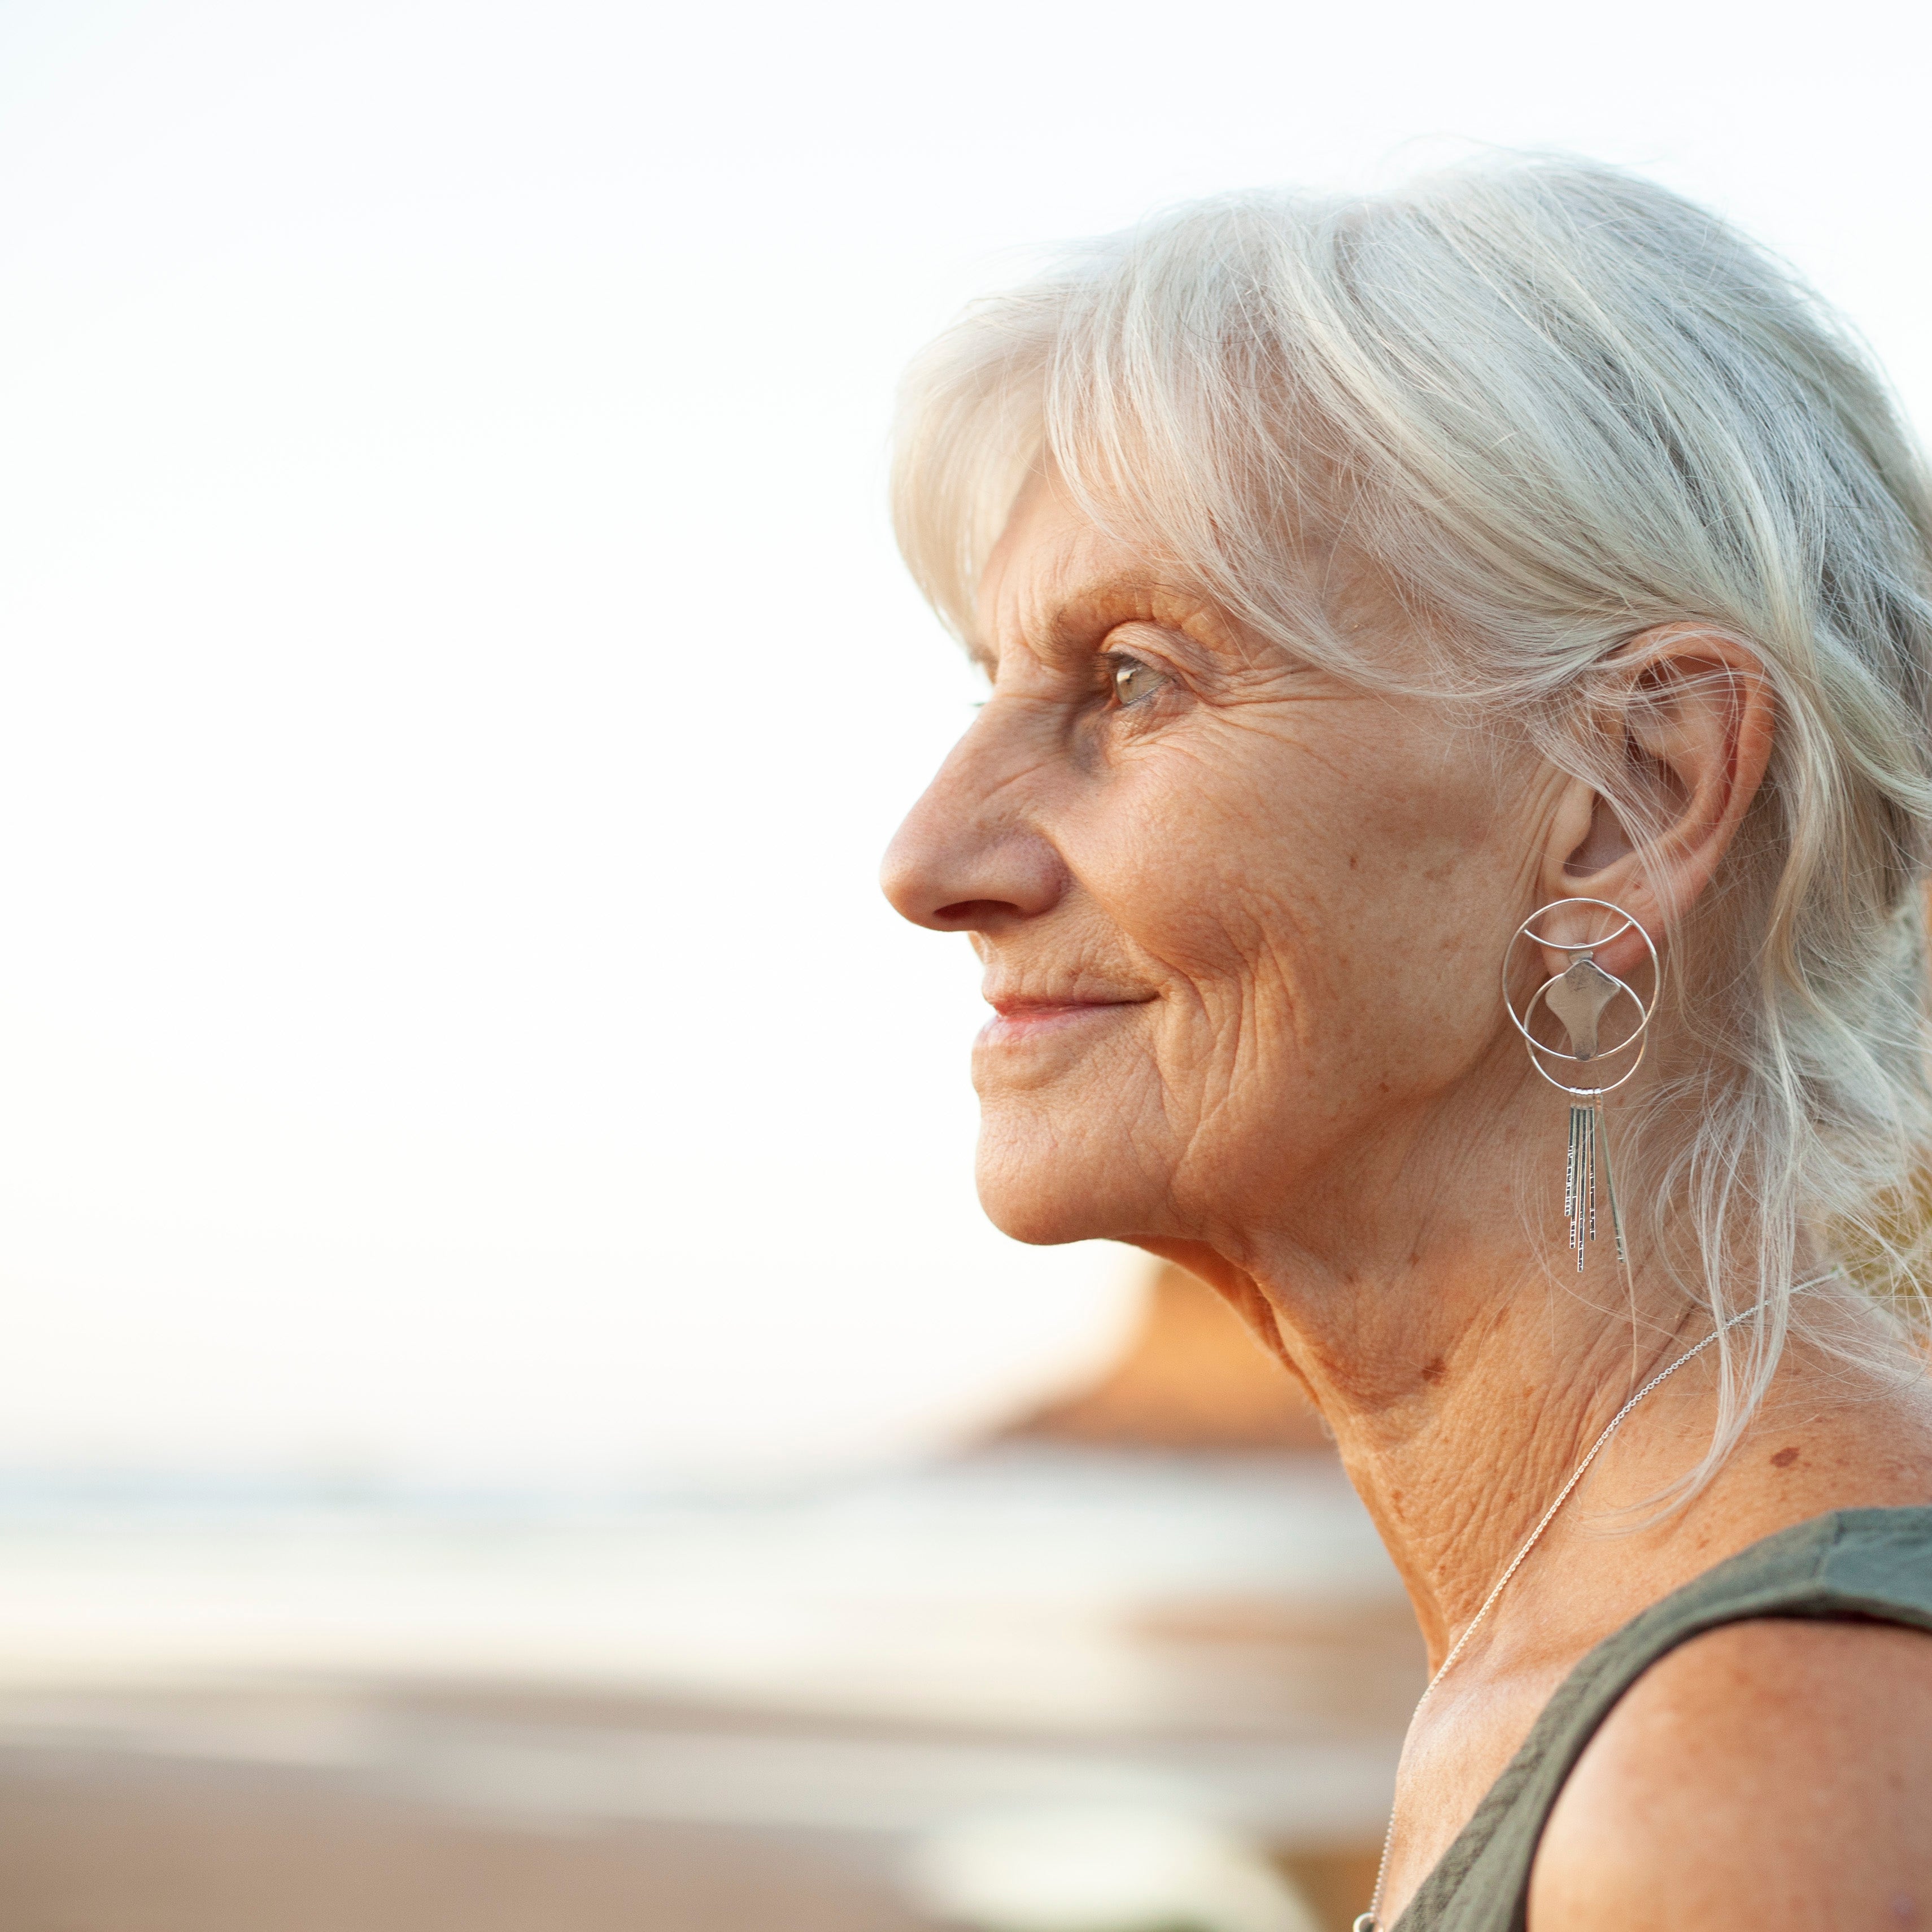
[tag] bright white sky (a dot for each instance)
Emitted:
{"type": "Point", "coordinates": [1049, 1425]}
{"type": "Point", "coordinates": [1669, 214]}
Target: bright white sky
{"type": "Point", "coordinates": [455, 684]}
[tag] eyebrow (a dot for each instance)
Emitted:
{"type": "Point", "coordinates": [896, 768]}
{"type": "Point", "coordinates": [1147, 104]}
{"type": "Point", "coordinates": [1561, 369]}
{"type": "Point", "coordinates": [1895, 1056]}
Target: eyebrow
{"type": "Point", "coordinates": [1134, 588]}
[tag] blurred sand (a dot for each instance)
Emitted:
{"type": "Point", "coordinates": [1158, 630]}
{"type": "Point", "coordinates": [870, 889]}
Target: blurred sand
{"type": "Point", "coordinates": [321, 1808]}
{"type": "Point", "coordinates": [131, 1847]}
{"type": "Point", "coordinates": [730, 1713]}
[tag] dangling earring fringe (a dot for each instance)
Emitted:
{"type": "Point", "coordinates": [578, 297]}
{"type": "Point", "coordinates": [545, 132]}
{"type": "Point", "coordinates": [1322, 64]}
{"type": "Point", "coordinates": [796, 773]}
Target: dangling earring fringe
{"type": "Point", "coordinates": [1589, 1148]}
{"type": "Point", "coordinates": [1576, 999]}
{"type": "Point", "coordinates": [1610, 1188]}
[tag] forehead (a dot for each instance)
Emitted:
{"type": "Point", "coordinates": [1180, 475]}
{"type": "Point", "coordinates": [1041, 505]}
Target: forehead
{"type": "Point", "coordinates": [1053, 565]}
{"type": "Point", "coordinates": [1055, 577]}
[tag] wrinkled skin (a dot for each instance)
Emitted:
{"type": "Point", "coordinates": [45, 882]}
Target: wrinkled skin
{"type": "Point", "coordinates": [1233, 911]}
{"type": "Point", "coordinates": [1242, 922]}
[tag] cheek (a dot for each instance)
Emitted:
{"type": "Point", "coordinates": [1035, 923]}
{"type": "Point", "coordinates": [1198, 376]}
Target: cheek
{"type": "Point", "coordinates": [1203, 929]}
{"type": "Point", "coordinates": [1212, 907]}
{"type": "Point", "coordinates": [1422, 903]}
{"type": "Point", "coordinates": [1321, 914]}
{"type": "Point", "coordinates": [1228, 889]}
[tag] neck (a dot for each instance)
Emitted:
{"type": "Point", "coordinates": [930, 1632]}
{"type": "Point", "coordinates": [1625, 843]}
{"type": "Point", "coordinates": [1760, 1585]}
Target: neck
{"type": "Point", "coordinates": [1463, 1378]}
{"type": "Point", "coordinates": [1461, 1408]}
{"type": "Point", "coordinates": [1462, 1404]}
{"type": "Point", "coordinates": [1465, 1374]}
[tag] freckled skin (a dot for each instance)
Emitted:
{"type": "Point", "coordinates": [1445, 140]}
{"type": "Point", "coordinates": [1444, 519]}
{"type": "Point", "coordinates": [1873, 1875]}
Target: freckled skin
{"type": "Point", "coordinates": [1242, 923]}
{"type": "Point", "coordinates": [1705, 1747]}
{"type": "Point", "coordinates": [1138, 831]}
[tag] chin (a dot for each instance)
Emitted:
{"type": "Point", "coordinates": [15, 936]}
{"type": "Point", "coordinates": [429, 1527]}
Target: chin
{"type": "Point", "coordinates": [1046, 1187]}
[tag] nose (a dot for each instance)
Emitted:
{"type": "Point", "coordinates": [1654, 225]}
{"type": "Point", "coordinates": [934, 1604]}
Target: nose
{"type": "Point", "coordinates": [971, 856]}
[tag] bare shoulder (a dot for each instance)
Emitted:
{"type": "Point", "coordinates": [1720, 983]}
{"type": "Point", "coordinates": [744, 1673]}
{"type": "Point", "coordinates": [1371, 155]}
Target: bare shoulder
{"type": "Point", "coordinates": [1775, 1774]}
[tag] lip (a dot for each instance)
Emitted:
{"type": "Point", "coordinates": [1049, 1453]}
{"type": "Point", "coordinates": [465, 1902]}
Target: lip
{"type": "Point", "coordinates": [1016, 1021]}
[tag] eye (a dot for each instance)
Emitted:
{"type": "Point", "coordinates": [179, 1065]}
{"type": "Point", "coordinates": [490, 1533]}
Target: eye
{"type": "Point", "coordinates": [1134, 680]}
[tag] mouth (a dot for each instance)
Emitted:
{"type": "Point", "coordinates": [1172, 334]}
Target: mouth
{"type": "Point", "coordinates": [1017, 1021]}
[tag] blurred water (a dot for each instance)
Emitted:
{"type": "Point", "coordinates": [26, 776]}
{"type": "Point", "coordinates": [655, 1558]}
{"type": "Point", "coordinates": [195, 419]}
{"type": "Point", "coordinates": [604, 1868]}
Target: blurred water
{"type": "Point", "coordinates": [1046, 1587]}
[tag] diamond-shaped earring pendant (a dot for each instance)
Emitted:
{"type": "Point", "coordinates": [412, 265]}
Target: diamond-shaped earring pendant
{"type": "Point", "coordinates": [1577, 997]}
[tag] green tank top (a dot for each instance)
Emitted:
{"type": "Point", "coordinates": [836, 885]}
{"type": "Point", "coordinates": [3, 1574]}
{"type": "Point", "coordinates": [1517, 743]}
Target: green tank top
{"type": "Point", "coordinates": [1869, 1563]}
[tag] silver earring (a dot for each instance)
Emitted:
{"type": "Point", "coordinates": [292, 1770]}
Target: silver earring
{"type": "Point", "coordinates": [1577, 998]}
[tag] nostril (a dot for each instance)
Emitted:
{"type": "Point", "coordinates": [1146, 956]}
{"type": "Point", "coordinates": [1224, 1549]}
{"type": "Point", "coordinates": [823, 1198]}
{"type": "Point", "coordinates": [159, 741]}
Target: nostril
{"type": "Point", "coordinates": [973, 915]}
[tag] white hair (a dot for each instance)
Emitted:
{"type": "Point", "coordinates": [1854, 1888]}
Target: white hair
{"type": "Point", "coordinates": [1555, 406]}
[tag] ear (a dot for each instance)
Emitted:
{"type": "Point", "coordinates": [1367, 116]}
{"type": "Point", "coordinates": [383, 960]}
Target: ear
{"type": "Point", "coordinates": [1687, 719]}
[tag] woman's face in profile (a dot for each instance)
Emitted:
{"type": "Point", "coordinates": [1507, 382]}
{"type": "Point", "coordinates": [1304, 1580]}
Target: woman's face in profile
{"type": "Point", "coordinates": [1241, 922]}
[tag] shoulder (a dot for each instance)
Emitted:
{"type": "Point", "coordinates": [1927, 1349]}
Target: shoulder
{"type": "Point", "coordinates": [1776, 1774]}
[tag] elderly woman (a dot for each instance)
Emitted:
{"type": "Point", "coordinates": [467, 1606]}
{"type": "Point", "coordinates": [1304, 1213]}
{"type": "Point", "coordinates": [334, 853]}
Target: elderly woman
{"type": "Point", "coordinates": [1445, 842]}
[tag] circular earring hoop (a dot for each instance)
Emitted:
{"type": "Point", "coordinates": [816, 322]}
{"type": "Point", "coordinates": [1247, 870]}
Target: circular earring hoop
{"type": "Point", "coordinates": [1640, 1038]}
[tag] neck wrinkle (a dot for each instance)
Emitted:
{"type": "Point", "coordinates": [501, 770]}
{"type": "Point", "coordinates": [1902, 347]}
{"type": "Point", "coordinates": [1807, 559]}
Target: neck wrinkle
{"type": "Point", "coordinates": [1460, 1410]}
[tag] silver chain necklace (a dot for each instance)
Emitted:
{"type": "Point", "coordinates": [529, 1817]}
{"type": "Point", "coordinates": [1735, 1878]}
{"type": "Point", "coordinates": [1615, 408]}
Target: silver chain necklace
{"type": "Point", "coordinates": [1370, 1921]}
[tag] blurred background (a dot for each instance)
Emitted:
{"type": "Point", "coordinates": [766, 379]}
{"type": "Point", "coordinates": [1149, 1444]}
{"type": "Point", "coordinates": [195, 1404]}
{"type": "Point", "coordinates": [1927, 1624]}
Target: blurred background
{"type": "Point", "coordinates": [509, 1414]}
